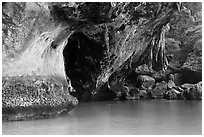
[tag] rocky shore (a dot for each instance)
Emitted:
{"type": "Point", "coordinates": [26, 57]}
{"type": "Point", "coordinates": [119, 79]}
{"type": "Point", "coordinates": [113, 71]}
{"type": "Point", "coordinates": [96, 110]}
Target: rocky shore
{"type": "Point", "coordinates": [56, 54]}
{"type": "Point", "coordinates": [157, 86]}
{"type": "Point", "coordinates": [26, 98]}
{"type": "Point", "coordinates": [164, 90]}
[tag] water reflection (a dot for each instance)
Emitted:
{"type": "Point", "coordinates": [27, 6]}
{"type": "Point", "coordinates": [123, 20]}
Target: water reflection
{"type": "Point", "coordinates": [116, 117]}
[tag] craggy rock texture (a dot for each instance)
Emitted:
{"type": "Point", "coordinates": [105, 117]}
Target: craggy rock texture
{"type": "Point", "coordinates": [159, 90]}
{"type": "Point", "coordinates": [51, 32]}
{"type": "Point", "coordinates": [29, 53]}
{"type": "Point", "coordinates": [91, 48]}
{"type": "Point", "coordinates": [146, 81]}
{"type": "Point", "coordinates": [26, 98]}
{"type": "Point", "coordinates": [185, 33]}
{"type": "Point", "coordinates": [172, 94]}
{"type": "Point", "coordinates": [164, 90]}
{"type": "Point", "coordinates": [194, 59]}
{"type": "Point", "coordinates": [192, 91]}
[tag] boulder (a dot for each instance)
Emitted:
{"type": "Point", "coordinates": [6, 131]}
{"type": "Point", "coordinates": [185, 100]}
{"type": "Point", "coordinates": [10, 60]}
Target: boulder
{"type": "Point", "coordinates": [160, 76]}
{"type": "Point", "coordinates": [198, 87]}
{"type": "Point", "coordinates": [144, 94]}
{"type": "Point", "coordinates": [192, 91]}
{"type": "Point", "coordinates": [191, 94]}
{"type": "Point", "coordinates": [159, 90]}
{"type": "Point", "coordinates": [146, 82]}
{"type": "Point", "coordinates": [187, 86]}
{"type": "Point", "coordinates": [118, 88]}
{"type": "Point", "coordinates": [172, 94]}
{"type": "Point", "coordinates": [171, 84]}
{"type": "Point", "coordinates": [133, 94]}
{"type": "Point", "coordinates": [25, 98]}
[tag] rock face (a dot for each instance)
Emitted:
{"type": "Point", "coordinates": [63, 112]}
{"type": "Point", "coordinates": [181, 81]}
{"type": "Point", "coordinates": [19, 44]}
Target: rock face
{"type": "Point", "coordinates": [86, 46]}
{"type": "Point", "coordinates": [192, 67]}
{"type": "Point", "coordinates": [25, 98]}
{"type": "Point", "coordinates": [68, 41]}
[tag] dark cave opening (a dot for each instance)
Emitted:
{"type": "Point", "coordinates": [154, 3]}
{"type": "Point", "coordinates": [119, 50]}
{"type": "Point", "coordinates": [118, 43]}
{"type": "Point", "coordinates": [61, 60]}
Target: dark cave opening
{"type": "Point", "coordinates": [82, 57]}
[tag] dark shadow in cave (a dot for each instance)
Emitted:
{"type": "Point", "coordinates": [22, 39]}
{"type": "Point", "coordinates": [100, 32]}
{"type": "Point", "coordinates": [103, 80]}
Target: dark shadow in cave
{"type": "Point", "coordinates": [82, 57]}
{"type": "Point", "coordinates": [189, 76]}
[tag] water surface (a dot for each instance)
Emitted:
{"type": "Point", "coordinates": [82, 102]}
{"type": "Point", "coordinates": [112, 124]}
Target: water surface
{"type": "Point", "coordinates": [118, 117]}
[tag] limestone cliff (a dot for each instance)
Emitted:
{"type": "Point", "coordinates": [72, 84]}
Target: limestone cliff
{"type": "Point", "coordinates": [83, 46]}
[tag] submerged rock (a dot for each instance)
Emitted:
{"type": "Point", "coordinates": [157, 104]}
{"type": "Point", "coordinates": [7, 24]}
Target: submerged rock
{"type": "Point", "coordinates": [25, 98]}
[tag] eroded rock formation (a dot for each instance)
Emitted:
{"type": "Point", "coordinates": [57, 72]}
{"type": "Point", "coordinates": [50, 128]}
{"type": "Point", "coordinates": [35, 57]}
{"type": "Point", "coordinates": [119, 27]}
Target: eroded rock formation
{"type": "Point", "coordinates": [87, 48]}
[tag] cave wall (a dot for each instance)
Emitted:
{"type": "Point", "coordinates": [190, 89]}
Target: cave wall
{"type": "Point", "coordinates": [39, 58]}
{"type": "Point", "coordinates": [37, 50]}
{"type": "Point", "coordinates": [123, 44]}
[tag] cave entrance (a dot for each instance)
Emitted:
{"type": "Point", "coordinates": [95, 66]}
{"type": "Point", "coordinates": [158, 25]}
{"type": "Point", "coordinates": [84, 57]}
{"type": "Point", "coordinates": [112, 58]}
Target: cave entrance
{"type": "Point", "coordinates": [82, 57]}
